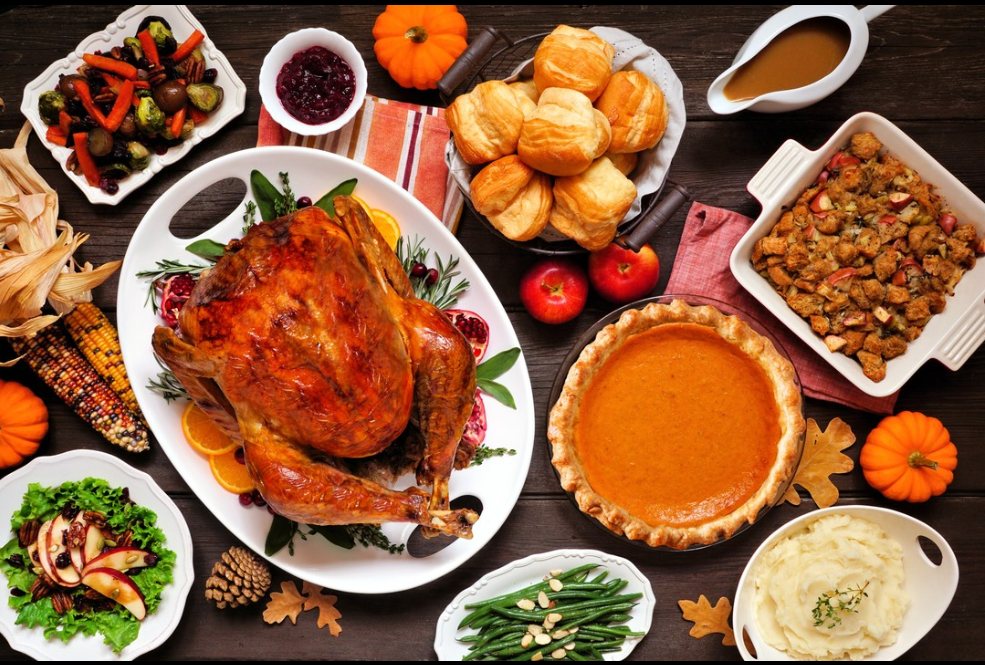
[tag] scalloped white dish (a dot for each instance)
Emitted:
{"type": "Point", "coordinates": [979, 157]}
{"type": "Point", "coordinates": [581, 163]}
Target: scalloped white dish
{"type": "Point", "coordinates": [183, 23]}
{"type": "Point", "coordinates": [78, 465]}
{"type": "Point", "coordinates": [524, 572]}
{"type": "Point", "coordinates": [929, 587]}
{"type": "Point", "coordinates": [496, 483]}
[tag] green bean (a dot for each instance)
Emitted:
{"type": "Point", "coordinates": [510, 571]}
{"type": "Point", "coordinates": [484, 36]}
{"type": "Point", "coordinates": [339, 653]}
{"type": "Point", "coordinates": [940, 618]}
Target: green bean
{"type": "Point", "coordinates": [511, 598]}
{"type": "Point", "coordinates": [601, 577]}
{"type": "Point", "coordinates": [594, 652]}
{"type": "Point", "coordinates": [498, 632]}
{"type": "Point", "coordinates": [494, 648]}
{"type": "Point", "coordinates": [575, 656]}
{"type": "Point", "coordinates": [617, 586]}
{"type": "Point", "coordinates": [605, 630]}
{"type": "Point", "coordinates": [527, 654]}
{"type": "Point", "coordinates": [470, 638]}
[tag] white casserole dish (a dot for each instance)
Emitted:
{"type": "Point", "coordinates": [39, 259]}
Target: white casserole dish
{"type": "Point", "coordinates": [951, 336]}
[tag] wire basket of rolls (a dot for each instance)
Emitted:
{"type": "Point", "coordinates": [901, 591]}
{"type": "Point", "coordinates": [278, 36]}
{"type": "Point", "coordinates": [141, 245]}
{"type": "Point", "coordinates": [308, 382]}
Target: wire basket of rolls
{"type": "Point", "coordinates": [562, 141]}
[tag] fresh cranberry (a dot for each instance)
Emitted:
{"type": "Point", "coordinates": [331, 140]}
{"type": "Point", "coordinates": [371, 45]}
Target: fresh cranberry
{"type": "Point", "coordinates": [258, 499]}
{"type": "Point", "coordinates": [240, 455]}
{"type": "Point", "coordinates": [304, 202]}
{"type": "Point", "coordinates": [432, 277]}
{"type": "Point", "coordinates": [246, 499]}
{"type": "Point", "coordinates": [418, 270]}
{"type": "Point", "coordinates": [210, 75]}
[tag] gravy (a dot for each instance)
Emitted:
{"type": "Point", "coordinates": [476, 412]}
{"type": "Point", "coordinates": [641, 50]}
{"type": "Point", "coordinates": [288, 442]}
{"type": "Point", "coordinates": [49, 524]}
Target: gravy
{"type": "Point", "coordinates": [798, 56]}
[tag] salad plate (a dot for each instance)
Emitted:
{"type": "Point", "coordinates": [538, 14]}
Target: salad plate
{"type": "Point", "coordinates": [183, 23]}
{"type": "Point", "coordinates": [496, 484]}
{"type": "Point", "coordinates": [157, 627]}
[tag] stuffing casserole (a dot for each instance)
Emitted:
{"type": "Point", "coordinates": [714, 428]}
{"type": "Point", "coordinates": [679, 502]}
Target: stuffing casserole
{"type": "Point", "coordinates": [867, 254]}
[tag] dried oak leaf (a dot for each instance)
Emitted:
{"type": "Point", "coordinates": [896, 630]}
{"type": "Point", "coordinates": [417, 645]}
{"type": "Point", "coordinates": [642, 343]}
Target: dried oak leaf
{"type": "Point", "coordinates": [284, 604]}
{"type": "Point", "coordinates": [708, 619]}
{"type": "Point", "coordinates": [328, 615]}
{"type": "Point", "coordinates": [822, 457]}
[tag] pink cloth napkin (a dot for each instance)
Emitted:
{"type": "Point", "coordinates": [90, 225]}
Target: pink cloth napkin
{"type": "Point", "coordinates": [702, 268]}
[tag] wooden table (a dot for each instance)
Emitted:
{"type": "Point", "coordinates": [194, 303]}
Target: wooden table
{"type": "Point", "coordinates": [925, 70]}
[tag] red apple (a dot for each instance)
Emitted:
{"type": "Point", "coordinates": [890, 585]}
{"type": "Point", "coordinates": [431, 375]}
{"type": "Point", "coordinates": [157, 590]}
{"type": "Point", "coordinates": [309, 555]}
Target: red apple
{"type": "Point", "coordinates": [554, 290]}
{"type": "Point", "coordinates": [622, 275]}
{"type": "Point", "coordinates": [66, 575]}
{"type": "Point", "coordinates": [119, 558]}
{"type": "Point", "coordinates": [114, 584]}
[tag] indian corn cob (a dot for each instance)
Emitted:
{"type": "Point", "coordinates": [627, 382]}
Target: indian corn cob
{"type": "Point", "coordinates": [55, 359]}
{"type": "Point", "coordinates": [99, 342]}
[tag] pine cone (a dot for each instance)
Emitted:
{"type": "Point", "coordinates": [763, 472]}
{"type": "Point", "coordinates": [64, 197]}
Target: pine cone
{"type": "Point", "coordinates": [238, 579]}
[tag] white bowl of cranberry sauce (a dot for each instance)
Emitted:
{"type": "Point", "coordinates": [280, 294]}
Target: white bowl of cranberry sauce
{"type": "Point", "coordinates": [313, 81]}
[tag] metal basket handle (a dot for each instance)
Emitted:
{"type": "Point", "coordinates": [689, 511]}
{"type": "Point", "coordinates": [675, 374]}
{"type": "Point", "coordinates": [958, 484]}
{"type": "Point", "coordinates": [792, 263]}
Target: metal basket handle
{"type": "Point", "coordinates": [470, 59]}
{"type": "Point", "coordinates": [675, 196]}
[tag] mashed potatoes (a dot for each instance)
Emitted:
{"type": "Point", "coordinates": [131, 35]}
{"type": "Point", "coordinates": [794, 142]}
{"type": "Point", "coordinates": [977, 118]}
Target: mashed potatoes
{"type": "Point", "coordinates": [833, 553]}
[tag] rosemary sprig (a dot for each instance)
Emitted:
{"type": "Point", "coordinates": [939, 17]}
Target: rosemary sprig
{"type": "Point", "coordinates": [167, 385]}
{"type": "Point", "coordinates": [249, 216]}
{"type": "Point", "coordinates": [164, 269]}
{"type": "Point", "coordinates": [371, 535]}
{"type": "Point", "coordinates": [482, 453]}
{"type": "Point", "coordinates": [831, 605]}
{"type": "Point", "coordinates": [286, 203]}
{"type": "Point", "coordinates": [444, 293]}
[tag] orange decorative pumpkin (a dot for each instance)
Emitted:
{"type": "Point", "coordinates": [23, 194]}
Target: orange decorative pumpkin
{"type": "Point", "coordinates": [909, 457]}
{"type": "Point", "coordinates": [23, 423]}
{"type": "Point", "coordinates": [418, 43]}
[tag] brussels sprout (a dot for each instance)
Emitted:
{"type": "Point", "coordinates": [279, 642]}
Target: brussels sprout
{"type": "Point", "coordinates": [204, 96]}
{"type": "Point", "coordinates": [160, 32]}
{"type": "Point", "coordinates": [49, 105]}
{"type": "Point", "coordinates": [150, 119]}
{"type": "Point", "coordinates": [115, 171]}
{"type": "Point", "coordinates": [135, 45]}
{"type": "Point", "coordinates": [187, 129]}
{"type": "Point", "coordinates": [139, 155]}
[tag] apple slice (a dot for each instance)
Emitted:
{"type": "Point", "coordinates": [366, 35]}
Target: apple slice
{"type": "Point", "coordinates": [46, 564]}
{"type": "Point", "coordinates": [77, 552]}
{"type": "Point", "coordinates": [94, 544]}
{"type": "Point", "coordinates": [115, 585]}
{"type": "Point", "coordinates": [119, 558]}
{"type": "Point", "coordinates": [67, 575]}
{"type": "Point", "coordinates": [822, 202]}
{"type": "Point", "coordinates": [899, 200]}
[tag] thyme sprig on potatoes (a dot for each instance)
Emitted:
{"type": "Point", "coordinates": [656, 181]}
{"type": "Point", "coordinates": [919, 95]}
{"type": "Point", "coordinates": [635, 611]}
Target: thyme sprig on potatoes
{"type": "Point", "coordinates": [830, 606]}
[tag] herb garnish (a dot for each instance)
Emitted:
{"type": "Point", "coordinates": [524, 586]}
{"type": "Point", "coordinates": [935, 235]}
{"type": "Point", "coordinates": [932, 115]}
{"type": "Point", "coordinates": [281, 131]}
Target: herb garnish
{"type": "Point", "coordinates": [831, 604]}
{"type": "Point", "coordinates": [164, 269]}
{"type": "Point", "coordinates": [482, 453]}
{"type": "Point", "coordinates": [283, 531]}
{"type": "Point", "coordinates": [167, 385]}
{"type": "Point", "coordinates": [494, 368]}
{"type": "Point", "coordinates": [444, 292]}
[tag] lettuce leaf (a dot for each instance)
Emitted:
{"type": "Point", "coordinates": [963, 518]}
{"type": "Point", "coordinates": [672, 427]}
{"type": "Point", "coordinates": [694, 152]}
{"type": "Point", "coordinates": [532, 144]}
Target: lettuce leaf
{"type": "Point", "coordinates": [117, 625]}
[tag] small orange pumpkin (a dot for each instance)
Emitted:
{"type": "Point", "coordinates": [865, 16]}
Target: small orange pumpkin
{"type": "Point", "coordinates": [23, 423]}
{"type": "Point", "coordinates": [418, 43]}
{"type": "Point", "coordinates": [909, 457]}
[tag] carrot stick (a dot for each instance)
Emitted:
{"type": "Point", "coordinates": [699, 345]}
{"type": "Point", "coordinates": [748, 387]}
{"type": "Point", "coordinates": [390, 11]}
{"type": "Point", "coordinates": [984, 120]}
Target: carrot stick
{"type": "Point", "coordinates": [55, 135]}
{"type": "Point", "coordinates": [120, 107]}
{"type": "Point", "coordinates": [150, 47]}
{"type": "Point", "coordinates": [82, 89]}
{"type": "Point", "coordinates": [196, 115]}
{"type": "Point", "coordinates": [89, 168]}
{"type": "Point", "coordinates": [124, 69]}
{"type": "Point", "coordinates": [188, 46]}
{"type": "Point", "coordinates": [177, 122]}
{"type": "Point", "coordinates": [114, 83]}
{"type": "Point", "coordinates": [141, 85]}
{"type": "Point", "coordinates": [65, 123]}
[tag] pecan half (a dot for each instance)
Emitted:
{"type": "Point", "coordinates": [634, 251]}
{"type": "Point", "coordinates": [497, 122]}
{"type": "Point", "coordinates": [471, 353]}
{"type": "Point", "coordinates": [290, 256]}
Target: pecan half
{"type": "Point", "coordinates": [194, 69]}
{"type": "Point", "coordinates": [156, 75]}
{"type": "Point", "coordinates": [62, 601]}
{"type": "Point", "coordinates": [92, 594]}
{"type": "Point", "coordinates": [92, 517]}
{"type": "Point", "coordinates": [125, 540]}
{"type": "Point", "coordinates": [28, 533]}
{"type": "Point", "coordinates": [76, 535]}
{"type": "Point", "coordinates": [42, 587]}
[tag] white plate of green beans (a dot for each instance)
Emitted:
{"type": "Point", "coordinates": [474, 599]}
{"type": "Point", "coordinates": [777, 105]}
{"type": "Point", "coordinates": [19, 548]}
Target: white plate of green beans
{"type": "Point", "coordinates": [570, 605]}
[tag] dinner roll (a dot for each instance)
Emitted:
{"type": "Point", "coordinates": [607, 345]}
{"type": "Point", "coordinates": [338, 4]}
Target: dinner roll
{"type": "Point", "coordinates": [526, 87]}
{"type": "Point", "coordinates": [588, 207]}
{"type": "Point", "coordinates": [514, 197]}
{"type": "Point", "coordinates": [564, 134]}
{"type": "Point", "coordinates": [575, 59]}
{"type": "Point", "coordinates": [486, 122]}
{"type": "Point", "coordinates": [624, 161]}
{"type": "Point", "coordinates": [636, 109]}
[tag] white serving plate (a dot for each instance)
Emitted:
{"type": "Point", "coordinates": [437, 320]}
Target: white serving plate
{"type": "Point", "coordinates": [497, 482]}
{"type": "Point", "coordinates": [524, 572]}
{"type": "Point", "coordinates": [182, 25]}
{"type": "Point", "coordinates": [929, 588]}
{"type": "Point", "coordinates": [79, 465]}
{"type": "Point", "coordinates": [951, 336]}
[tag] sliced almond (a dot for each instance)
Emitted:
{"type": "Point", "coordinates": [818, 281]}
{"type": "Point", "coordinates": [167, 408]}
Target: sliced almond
{"type": "Point", "coordinates": [535, 630]}
{"type": "Point", "coordinates": [526, 640]}
{"type": "Point", "coordinates": [570, 646]}
{"type": "Point", "coordinates": [558, 654]}
{"type": "Point", "coordinates": [554, 617]}
{"type": "Point", "coordinates": [573, 630]}
{"type": "Point", "coordinates": [558, 634]}
{"type": "Point", "coordinates": [556, 572]}
{"type": "Point", "coordinates": [555, 585]}
{"type": "Point", "coordinates": [537, 656]}
{"type": "Point", "coordinates": [548, 625]}
{"type": "Point", "coordinates": [543, 601]}
{"type": "Point", "coordinates": [525, 604]}
{"type": "Point", "coordinates": [543, 639]}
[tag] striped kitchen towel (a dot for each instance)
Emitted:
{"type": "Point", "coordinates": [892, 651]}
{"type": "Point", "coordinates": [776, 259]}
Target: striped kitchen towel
{"type": "Point", "coordinates": [404, 142]}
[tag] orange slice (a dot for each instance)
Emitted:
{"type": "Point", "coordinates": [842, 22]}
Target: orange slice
{"type": "Point", "coordinates": [387, 226]}
{"type": "Point", "coordinates": [202, 433]}
{"type": "Point", "coordinates": [232, 475]}
{"type": "Point", "coordinates": [365, 205]}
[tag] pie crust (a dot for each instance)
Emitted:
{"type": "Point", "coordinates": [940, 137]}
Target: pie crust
{"type": "Point", "coordinates": [563, 420]}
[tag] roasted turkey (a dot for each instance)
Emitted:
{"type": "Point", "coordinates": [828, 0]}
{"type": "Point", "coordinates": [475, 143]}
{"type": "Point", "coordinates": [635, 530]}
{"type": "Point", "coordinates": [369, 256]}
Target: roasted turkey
{"type": "Point", "coordinates": [306, 343]}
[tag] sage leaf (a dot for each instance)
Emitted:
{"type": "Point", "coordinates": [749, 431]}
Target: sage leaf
{"type": "Point", "coordinates": [281, 532]}
{"type": "Point", "coordinates": [327, 202]}
{"type": "Point", "coordinates": [337, 535]}
{"type": "Point", "coordinates": [498, 365]}
{"type": "Point", "coordinates": [497, 391]}
{"type": "Point", "coordinates": [207, 247]}
{"type": "Point", "coordinates": [266, 195]}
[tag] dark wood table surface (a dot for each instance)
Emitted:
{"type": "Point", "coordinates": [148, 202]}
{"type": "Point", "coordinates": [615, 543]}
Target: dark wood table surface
{"type": "Point", "coordinates": [925, 70]}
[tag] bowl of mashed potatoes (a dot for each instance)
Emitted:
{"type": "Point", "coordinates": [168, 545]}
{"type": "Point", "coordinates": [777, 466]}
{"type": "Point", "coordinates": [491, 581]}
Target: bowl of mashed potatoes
{"type": "Point", "coordinates": [844, 583]}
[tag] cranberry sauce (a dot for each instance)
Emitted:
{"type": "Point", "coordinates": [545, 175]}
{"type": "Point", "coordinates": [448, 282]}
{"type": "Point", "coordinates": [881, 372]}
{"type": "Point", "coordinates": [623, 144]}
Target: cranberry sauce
{"type": "Point", "coordinates": [316, 86]}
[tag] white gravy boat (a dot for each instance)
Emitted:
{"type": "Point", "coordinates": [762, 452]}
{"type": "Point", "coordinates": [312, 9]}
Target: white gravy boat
{"type": "Point", "coordinates": [790, 100]}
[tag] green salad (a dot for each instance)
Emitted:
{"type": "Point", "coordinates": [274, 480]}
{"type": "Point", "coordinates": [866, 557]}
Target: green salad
{"type": "Point", "coordinates": [101, 567]}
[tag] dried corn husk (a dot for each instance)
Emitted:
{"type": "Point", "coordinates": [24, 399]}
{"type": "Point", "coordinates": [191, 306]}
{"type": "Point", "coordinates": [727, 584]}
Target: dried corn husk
{"type": "Point", "coordinates": [36, 264]}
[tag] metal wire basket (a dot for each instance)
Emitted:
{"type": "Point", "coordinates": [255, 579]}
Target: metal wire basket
{"type": "Point", "coordinates": [480, 63]}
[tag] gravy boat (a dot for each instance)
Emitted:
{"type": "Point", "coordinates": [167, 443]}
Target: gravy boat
{"type": "Point", "coordinates": [781, 101]}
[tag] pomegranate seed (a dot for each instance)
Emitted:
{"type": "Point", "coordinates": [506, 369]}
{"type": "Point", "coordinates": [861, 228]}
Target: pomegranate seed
{"type": "Point", "coordinates": [432, 277]}
{"type": "Point", "coordinates": [257, 498]}
{"type": "Point", "coordinates": [419, 270]}
{"type": "Point", "coordinates": [240, 456]}
{"type": "Point", "coordinates": [246, 499]}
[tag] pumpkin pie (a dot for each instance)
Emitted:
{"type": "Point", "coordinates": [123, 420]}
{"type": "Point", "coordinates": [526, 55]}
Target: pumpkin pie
{"type": "Point", "coordinates": [677, 425]}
